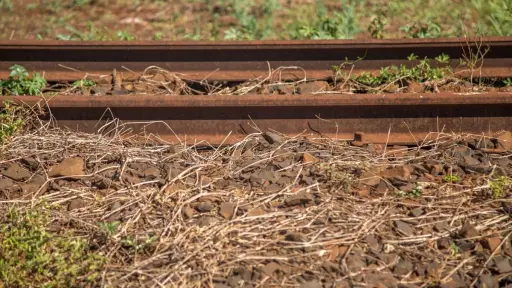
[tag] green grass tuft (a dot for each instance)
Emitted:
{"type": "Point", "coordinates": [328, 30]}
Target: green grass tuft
{"type": "Point", "coordinates": [30, 256]}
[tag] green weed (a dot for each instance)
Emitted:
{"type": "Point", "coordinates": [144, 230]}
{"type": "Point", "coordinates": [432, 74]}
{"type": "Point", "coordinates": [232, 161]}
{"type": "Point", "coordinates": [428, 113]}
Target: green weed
{"type": "Point", "coordinates": [109, 228]}
{"type": "Point", "coordinates": [138, 245]}
{"type": "Point", "coordinates": [338, 25]}
{"type": "Point", "coordinates": [428, 29]}
{"type": "Point", "coordinates": [422, 72]}
{"type": "Point", "coordinates": [30, 256]}
{"type": "Point", "coordinates": [416, 192]}
{"type": "Point", "coordinates": [454, 250]}
{"type": "Point", "coordinates": [498, 185]}
{"type": "Point", "coordinates": [83, 83]}
{"type": "Point", "coordinates": [158, 36]}
{"type": "Point", "coordinates": [19, 82]}
{"type": "Point", "coordinates": [376, 27]}
{"type": "Point", "coordinates": [495, 15]}
{"type": "Point", "coordinates": [93, 34]}
{"type": "Point", "coordinates": [507, 82]}
{"type": "Point", "coordinates": [125, 36]}
{"type": "Point", "coordinates": [451, 178]}
{"type": "Point", "coordinates": [6, 4]}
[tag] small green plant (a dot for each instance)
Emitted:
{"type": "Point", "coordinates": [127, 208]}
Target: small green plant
{"type": "Point", "coordinates": [109, 228]}
{"type": "Point", "coordinates": [416, 192]}
{"type": "Point", "coordinates": [10, 122]}
{"type": "Point", "coordinates": [7, 4]}
{"type": "Point", "coordinates": [158, 36]}
{"type": "Point", "coordinates": [30, 256]}
{"type": "Point", "coordinates": [421, 72]}
{"type": "Point", "coordinates": [451, 178]}
{"type": "Point", "coordinates": [454, 250]}
{"type": "Point", "coordinates": [507, 82]}
{"type": "Point", "coordinates": [498, 185]}
{"type": "Point", "coordinates": [428, 29]}
{"type": "Point", "coordinates": [138, 245]}
{"type": "Point", "coordinates": [125, 36]}
{"type": "Point", "coordinates": [376, 27]}
{"type": "Point", "coordinates": [337, 25]}
{"type": "Point", "coordinates": [19, 82]}
{"type": "Point", "coordinates": [80, 3]}
{"type": "Point", "coordinates": [83, 83]}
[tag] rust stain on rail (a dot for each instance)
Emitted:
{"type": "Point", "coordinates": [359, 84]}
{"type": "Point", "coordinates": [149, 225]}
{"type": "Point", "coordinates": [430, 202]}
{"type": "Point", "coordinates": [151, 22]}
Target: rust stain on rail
{"type": "Point", "coordinates": [409, 117]}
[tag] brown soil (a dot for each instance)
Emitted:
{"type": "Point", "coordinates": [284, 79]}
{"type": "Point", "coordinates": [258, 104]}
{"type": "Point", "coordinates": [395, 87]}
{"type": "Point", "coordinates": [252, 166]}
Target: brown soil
{"type": "Point", "coordinates": [273, 211]}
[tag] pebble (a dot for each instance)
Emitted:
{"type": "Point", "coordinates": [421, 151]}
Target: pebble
{"type": "Point", "coordinates": [403, 267]}
{"type": "Point", "coordinates": [68, 167]}
{"type": "Point", "coordinates": [227, 210]}
{"type": "Point", "coordinates": [404, 228]}
{"type": "Point", "coordinates": [204, 207]}
{"type": "Point", "coordinates": [16, 172]}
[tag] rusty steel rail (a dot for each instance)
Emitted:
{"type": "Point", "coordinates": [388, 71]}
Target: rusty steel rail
{"type": "Point", "coordinates": [408, 117]}
{"type": "Point", "coordinates": [239, 61]}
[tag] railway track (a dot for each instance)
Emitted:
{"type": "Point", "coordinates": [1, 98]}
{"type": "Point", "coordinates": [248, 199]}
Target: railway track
{"type": "Point", "coordinates": [401, 118]}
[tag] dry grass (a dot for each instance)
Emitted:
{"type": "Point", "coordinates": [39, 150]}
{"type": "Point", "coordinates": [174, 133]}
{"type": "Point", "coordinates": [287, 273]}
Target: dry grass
{"type": "Point", "coordinates": [157, 244]}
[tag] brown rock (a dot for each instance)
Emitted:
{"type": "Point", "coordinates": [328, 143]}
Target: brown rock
{"type": "Point", "coordinates": [116, 216]}
{"type": "Point", "coordinates": [273, 138]}
{"type": "Point", "coordinates": [416, 212]}
{"type": "Point", "coordinates": [311, 87]}
{"type": "Point", "coordinates": [370, 179]}
{"type": "Point", "coordinates": [187, 212]}
{"type": "Point", "coordinates": [403, 267]}
{"type": "Point", "coordinates": [373, 242]}
{"type": "Point", "coordinates": [206, 221]}
{"type": "Point", "coordinates": [441, 226]}
{"type": "Point", "coordinates": [336, 251]}
{"type": "Point", "coordinates": [295, 237]}
{"type": "Point", "coordinates": [405, 228]}
{"type": "Point", "coordinates": [76, 204]}
{"type": "Point", "coordinates": [355, 263]}
{"type": "Point", "coordinates": [382, 187]}
{"type": "Point", "coordinates": [300, 198]}
{"type": "Point", "coordinates": [486, 281]}
{"type": "Point", "coordinates": [444, 243]}
{"type": "Point", "coordinates": [399, 172]}
{"type": "Point", "coordinates": [31, 188]}
{"type": "Point", "coordinates": [308, 158]}
{"type": "Point", "coordinates": [67, 168]}
{"type": "Point", "coordinates": [6, 184]}
{"type": "Point", "coordinates": [454, 282]}
{"type": "Point", "coordinates": [504, 140]}
{"type": "Point", "coordinates": [271, 268]}
{"type": "Point", "coordinates": [380, 279]}
{"type": "Point", "coordinates": [408, 188]}
{"type": "Point", "coordinates": [434, 269]}
{"type": "Point", "coordinates": [130, 178]}
{"type": "Point", "coordinates": [468, 160]}
{"type": "Point", "coordinates": [468, 231]}
{"type": "Point", "coordinates": [16, 172]}
{"type": "Point", "coordinates": [491, 243]}
{"type": "Point", "coordinates": [363, 192]}
{"type": "Point", "coordinates": [227, 210]}
{"type": "Point", "coordinates": [311, 284]}
{"type": "Point", "coordinates": [502, 264]}
{"type": "Point", "coordinates": [204, 207]}
{"type": "Point", "coordinates": [31, 163]}
{"type": "Point", "coordinates": [151, 172]}
{"type": "Point", "coordinates": [256, 212]}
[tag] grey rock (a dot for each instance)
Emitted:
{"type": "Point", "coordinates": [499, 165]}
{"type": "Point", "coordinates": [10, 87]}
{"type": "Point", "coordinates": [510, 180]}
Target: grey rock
{"type": "Point", "coordinates": [403, 267]}
{"type": "Point", "coordinates": [404, 228]}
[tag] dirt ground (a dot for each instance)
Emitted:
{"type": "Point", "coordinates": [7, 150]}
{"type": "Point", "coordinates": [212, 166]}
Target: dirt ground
{"type": "Point", "coordinates": [270, 211]}
{"type": "Point", "coordinates": [249, 19]}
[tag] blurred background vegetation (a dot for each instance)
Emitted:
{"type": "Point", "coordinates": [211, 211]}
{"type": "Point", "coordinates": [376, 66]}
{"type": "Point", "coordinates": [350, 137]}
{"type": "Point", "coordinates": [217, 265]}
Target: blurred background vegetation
{"type": "Point", "coordinates": [251, 19]}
